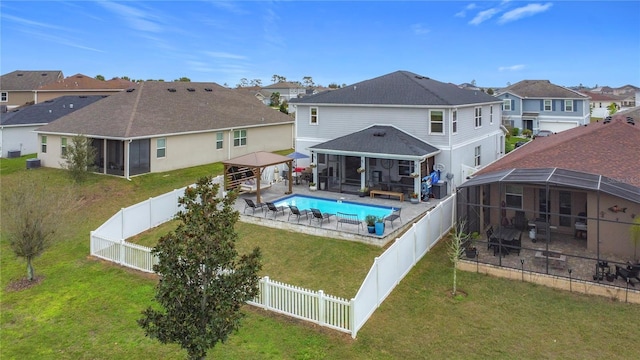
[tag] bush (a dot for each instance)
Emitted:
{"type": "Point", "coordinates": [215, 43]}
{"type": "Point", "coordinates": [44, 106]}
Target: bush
{"type": "Point", "coordinates": [527, 133]}
{"type": "Point", "coordinates": [515, 131]}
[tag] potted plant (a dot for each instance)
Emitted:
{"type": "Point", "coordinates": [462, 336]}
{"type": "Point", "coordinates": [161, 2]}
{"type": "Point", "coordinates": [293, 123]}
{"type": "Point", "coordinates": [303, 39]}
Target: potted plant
{"type": "Point", "coordinates": [370, 220]}
{"type": "Point", "coordinates": [312, 186]}
{"type": "Point", "coordinates": [379, 226]}
{"type": "Point", "coordinates": [470, 246]}
{"type": "Point", "coordinates": [414, 198]}
{"type": "Point", "coordinates": [363, 192]}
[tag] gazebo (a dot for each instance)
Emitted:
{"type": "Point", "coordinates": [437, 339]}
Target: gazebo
{"type": "Point", "coordinates": [251, 166]}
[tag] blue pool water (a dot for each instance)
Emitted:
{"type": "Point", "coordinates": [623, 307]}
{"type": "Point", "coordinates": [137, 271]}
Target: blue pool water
{"type": "Point", "coordinates": [334, 206]}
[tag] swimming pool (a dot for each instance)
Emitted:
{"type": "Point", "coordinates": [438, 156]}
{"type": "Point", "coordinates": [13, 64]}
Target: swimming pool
{"type": "Point", "coordinates": [334, 206]}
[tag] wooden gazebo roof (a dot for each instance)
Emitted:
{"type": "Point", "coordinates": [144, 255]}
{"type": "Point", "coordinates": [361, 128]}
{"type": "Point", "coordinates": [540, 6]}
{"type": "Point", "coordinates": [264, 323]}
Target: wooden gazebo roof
{"type": "Point", "coordinates": [257, 161]}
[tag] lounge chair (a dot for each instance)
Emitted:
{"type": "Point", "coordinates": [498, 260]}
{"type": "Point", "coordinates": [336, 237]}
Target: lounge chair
{"type": "Point", "coordinates": [274, 209]}
{"type": "Point", "coordinates": [252, 205]}
{"type": "Point", "coordinates": [352, 219]}
{"type": "Point", "coordinates": [319, 216]}
{"type": "Point", "coordinates": [395, 215]}
{"type": "Point", "coordinates": [298, 213]}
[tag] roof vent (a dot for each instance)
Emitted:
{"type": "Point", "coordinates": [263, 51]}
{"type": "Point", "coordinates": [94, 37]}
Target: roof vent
{"type": "Point", "coordinates": [20, 74]}
{"type": "Point", "coordinates": [379, 133]}
{"type": "Point", "coordinates": [83, 96]}
{"type": "Point", "coordinates": [48, 101]}
{"type": "Point", "coordinates": [630, 120]}
{"type": "Point", "coordinates": [44, 74]}
{"type": "Point", "coordinates": [130, 89]}
{"type": "Point", "coordinates": [607, 119]}
{"type": "Point", "coordinates": [191, 89]}
{"type": "Point", "coordinates": [208, 89]}
{"type": "Point", "coordinates": [171, 90]}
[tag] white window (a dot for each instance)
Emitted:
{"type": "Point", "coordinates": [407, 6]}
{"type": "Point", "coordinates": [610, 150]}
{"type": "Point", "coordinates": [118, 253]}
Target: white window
{"type": "Point", "coordinates": [568, 105]}
{"type": "Point", "coordinates": [547, 105]}
{"type": "Point", "coordinates": [405, 167]}
{"type": "Point", "coordinates": [239, 138]}
{"type": "Point", "coordinates": [43, 144]}
{"type": "Point", "coordinates": [478, 117]}
{"type": "Point", "coordinates": [63, 146]}
{"type": "Point", "coordinates": [491, 115]}
{"type": "Point", "coordinates": [161, 147]}
{"type": "Point", "coordinates": [454, 121]}
{"type": "Point", "coordinates": [513, 196]}
{"type": "Point", "coordinates": [314, 116]}
{"type": "Point", "coordinates": [478, 151]}
{"type": "Point", "coordinates": [436, 122]}
{"type": "Point", "coordinates": [4, 96]}
{"type": "Point", "coordinates": [219, 140]}
{"type": "Point", "coordinates": [506, 105]}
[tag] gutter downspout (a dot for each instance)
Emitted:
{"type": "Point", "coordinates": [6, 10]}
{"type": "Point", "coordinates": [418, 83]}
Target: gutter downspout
{"type": "Point", "coordinates": [126, 160]}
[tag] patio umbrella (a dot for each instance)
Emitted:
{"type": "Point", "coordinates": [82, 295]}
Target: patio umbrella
{"type": "Point", "coordinates": [296, 155]}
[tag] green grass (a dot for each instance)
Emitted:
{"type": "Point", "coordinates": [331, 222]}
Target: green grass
{"type": "Point", "coordinates": [510, 142]}
{"type": "Point", "coordinates": [87, 309]}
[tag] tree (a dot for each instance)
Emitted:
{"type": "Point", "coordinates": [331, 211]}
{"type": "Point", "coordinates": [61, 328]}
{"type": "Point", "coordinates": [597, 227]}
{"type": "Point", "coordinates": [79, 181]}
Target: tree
{"type": "Point", "coordinates": [278, 78]}
{"type": "Point", "coordinates": [36, 209]}
{"type": "Point", "coordinates": [100, 77]}
{"type": "Point", "coordinates": [243, 83]}
{"type": "Point", "coordinates": [307, 81]}
{"type": "Point", "coordinates": [456, 248]}
{"type": "Point", "coordinates": [283, 107]}
{"type": "Point", "coordinates": [612, 108]}
{"type": "Point", "coordinates": [256, 82]}
{"type": "Point", "coordinates": [275, 99]}
{"type": "Point", "coordinates": [183, 79]}
{"type": "Point", "coordinates": [490, 91]}
{"type": "Point", "coordinates": [202, 282]}
{"type": "Point", "coordinates": [333, 86]}
{"type": "Point", "coordinates": [79, 157]}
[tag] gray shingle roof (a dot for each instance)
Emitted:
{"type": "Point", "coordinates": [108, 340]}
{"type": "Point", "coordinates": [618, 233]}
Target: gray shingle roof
{"type": "Point", "coordinates": [48, 111]}
{"type": "Point", "coordinates": [541, 89]}
{"type": "Point", "coordinates": [21, 80]}
{"type": "Point", "coordinates": [399, 88]}
{"type": "Point", "coordinates": [379, 139]}
{"type": "Point", "coordinates": [160, 108]}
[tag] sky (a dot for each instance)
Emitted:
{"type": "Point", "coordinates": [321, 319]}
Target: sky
{"type": "Point", "coordinates": [489, 43]}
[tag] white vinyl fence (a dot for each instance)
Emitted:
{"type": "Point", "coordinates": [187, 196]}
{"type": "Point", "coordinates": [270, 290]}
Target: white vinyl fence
{"type": "Point", "coordinates": [108, 243]}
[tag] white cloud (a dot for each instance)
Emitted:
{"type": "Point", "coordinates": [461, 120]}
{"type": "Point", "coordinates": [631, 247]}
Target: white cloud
{"type": "Point", "coordinates": [463, 12]}
{"type": "Point", "coordinates": [136, 18]}
{"type": "Point", "coordinates": [511, 68]}
{"type": "Point", "coordinates": [483, 16]}
{"type": "Point", "coordinates": [418, 29]}
{"type": "Point", "coordinates": [524, 11]}
{"type": "Point", "coordinates": [224, 55]}
{"type": "Point", "coordinates": [31, 23]}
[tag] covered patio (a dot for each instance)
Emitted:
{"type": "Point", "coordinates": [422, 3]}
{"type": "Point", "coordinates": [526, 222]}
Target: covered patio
{"type": "Point", "coordinates": [247, 173]}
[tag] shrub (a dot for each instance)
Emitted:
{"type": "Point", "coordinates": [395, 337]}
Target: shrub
{"type": "Point", "coordinates": [515, 131]}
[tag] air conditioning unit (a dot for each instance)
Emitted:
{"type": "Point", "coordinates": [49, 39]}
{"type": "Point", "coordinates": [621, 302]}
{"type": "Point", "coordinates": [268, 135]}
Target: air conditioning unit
{"type": "Point", "coordinates": [13, 154]}
{"type": "Point", "coordinates": [33, 163]}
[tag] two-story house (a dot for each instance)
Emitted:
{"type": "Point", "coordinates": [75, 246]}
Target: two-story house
{"type": "Point", "coordinates": [395, 130]}
{"type": "Point", "coordinates": [540, 105]}
{"type": "Point", "coordinates": [17, 88]}
{"type": "Point", "coordinates": [162, 126]}
{"type": "Point", "coordinates": [287, 90]}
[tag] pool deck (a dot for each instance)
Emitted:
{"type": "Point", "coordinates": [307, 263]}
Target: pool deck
{"type": "Point", "coordinates": [410, 212]}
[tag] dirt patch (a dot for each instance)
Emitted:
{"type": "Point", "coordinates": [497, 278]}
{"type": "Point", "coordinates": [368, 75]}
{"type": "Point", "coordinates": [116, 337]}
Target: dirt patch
{"type": "Point", "coordinates": [460, 294]}
{"type": "Point", "coordinates": [23, 284]}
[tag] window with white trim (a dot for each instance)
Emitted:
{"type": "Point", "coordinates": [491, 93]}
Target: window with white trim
{"type": "Point", "coordinates": [548, 105]}
{"type": "Point", "coordinates": [161, 147]}
{"type": "Point", "coordinates": [568, 105]}
{"type": "Point", "coordinates": [476, 157]}
{"type": "Point", "coordinates": [4, 96]}
{"type": "Point", "coordinates": [454, 121]}
{"type": "Point", "coordinates": [436, 121]}
{"type": "Point", "coordinates": [43, 144]}
{"type": "Point", "coordinates": [63, 146]}
{"type": "Point", "coordinates": [506, 105]}
{"type": "Point", "coordinates": [478, 116]}
{"type": "Point", "coordinates": [491, 115]}
{"type": "Point", "coordinates": [239, 138]}
{"type": "Point", "coordinates": [513, 196]}
{"type": "Point", "coordinates": [405, 167]}
{"type": "Point", "coordinates": [313, 120]}
{"type": "Point", "coordinates": [219, 140]}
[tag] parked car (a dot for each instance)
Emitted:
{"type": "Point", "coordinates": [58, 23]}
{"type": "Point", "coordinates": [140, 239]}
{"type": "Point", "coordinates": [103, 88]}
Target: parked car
{"type": "Point", "coordinates": [543, 133]}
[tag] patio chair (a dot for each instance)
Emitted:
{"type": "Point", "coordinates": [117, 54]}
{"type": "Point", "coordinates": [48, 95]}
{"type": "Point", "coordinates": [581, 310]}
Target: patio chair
{"type": "Point", "coordinates": [344, 218]}
{"type": "Point", "coordinates": [274, 209]}
{"type": "Point", "coordinates": [515, 245]}
{"type": "Point", "coordinates": [395, 215]}
{"type": "Point", "coordinates": [628, 272]}
{"type": "Point", "coordinates": [294, 211]}
{"type": "Point", "coordinates": [492, 241]}
{"type": "Point", "coordinates": [541, 231]}
{"type": "Point", "coordinates": [319, 216]}
{"type": "Point", "coordinates": [252, 205]}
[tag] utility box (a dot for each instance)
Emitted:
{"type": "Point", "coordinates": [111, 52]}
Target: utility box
{"type": "Point", "coordinates": [13, 154]}
{"type": "Point", "coordinates": [33, 163]}
{"type": "Point", "coordinates": [439, 189]}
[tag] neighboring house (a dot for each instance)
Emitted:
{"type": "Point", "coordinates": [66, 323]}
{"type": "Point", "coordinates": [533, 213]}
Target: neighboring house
{"type": "Point", "coordinates": [625, 90]}
{"type": "Point", "coordinates": [600, 104]}
{"type": "Point", "coordinates": [580, 182]}
{"type": "Point", "coordinates": [397, 128]}
{"type": "Point", "coordinates": [79, 84]}
{"type": "Point", "coordinates": [17, 126]}
{"type": "Point", "coordinates": [162, 126]}
{"type": "Point", "coordinates": [288, 90]}
{"type": "Point", "coordinates": [17, 87]}
{"type": "Point", "coordinates": [540, 105]}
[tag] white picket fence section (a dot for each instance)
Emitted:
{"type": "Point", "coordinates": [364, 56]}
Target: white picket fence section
{"type": "Point", "coordinates": [108, 242]}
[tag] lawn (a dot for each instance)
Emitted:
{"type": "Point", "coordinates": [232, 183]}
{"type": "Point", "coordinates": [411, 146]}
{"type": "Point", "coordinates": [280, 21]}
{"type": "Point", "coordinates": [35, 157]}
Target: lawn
{"type": "Point", "coordinates": [87, 309]}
